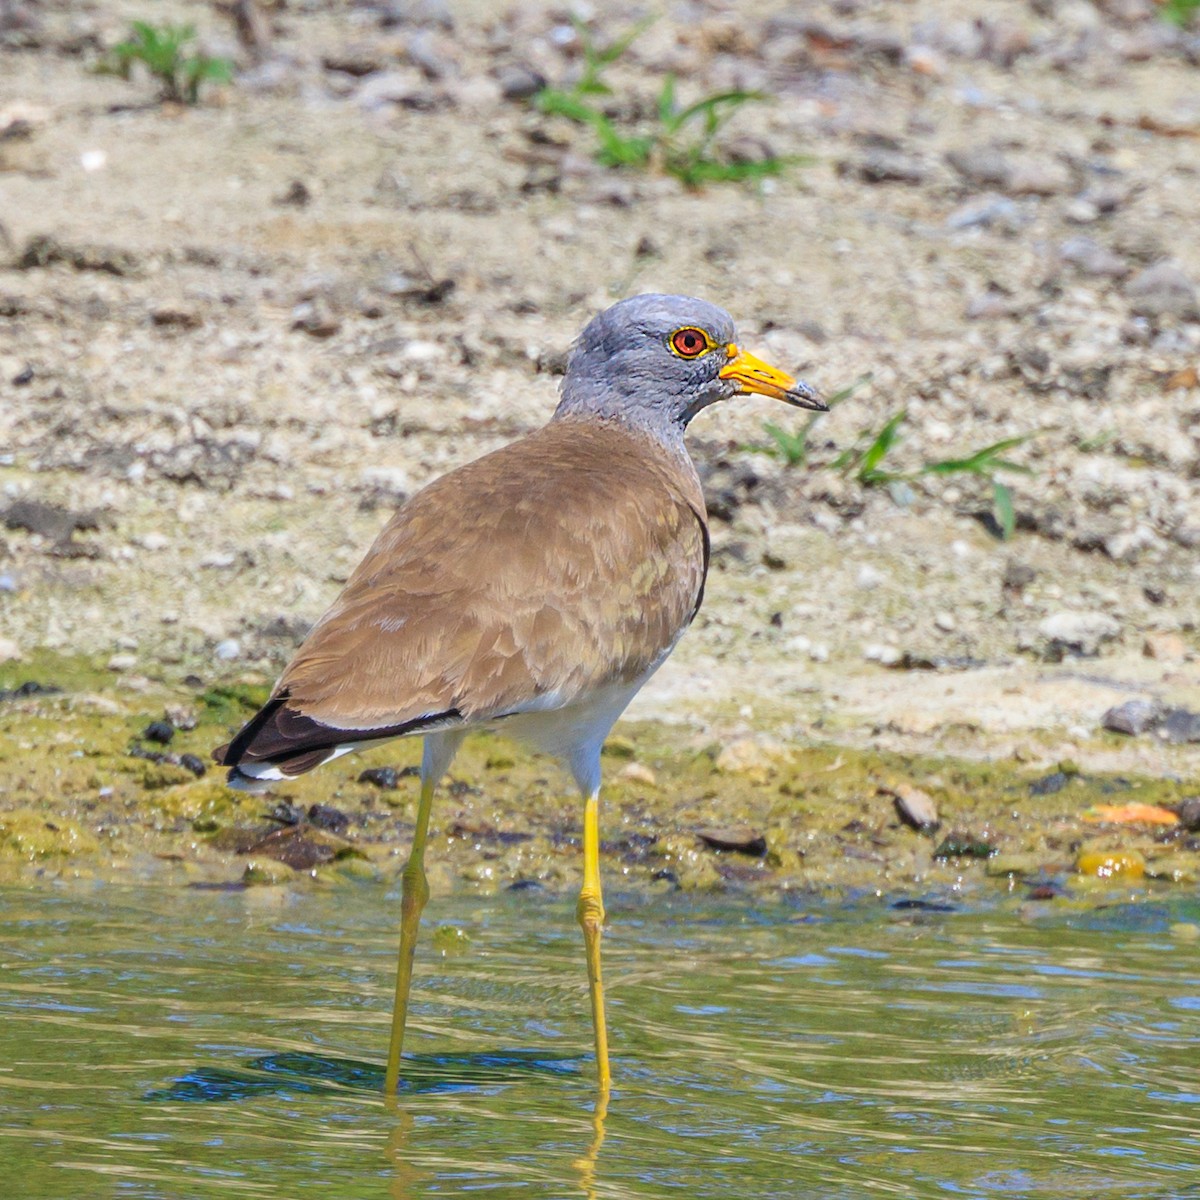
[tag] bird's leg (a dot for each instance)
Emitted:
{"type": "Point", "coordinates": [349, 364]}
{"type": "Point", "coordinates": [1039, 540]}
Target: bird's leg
{"type": "Point", "coordinates": [414, 894]}
{"type": "Point", "coordinates": [590, 912]}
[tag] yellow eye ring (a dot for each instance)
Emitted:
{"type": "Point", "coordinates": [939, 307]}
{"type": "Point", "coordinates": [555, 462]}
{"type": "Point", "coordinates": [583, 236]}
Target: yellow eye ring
{"type": "Point", "coordinates": [690, 342]}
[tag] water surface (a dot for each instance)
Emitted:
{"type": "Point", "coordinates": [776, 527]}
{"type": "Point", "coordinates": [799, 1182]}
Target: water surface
{"type": "Point", "coordinates": [173, 1043]}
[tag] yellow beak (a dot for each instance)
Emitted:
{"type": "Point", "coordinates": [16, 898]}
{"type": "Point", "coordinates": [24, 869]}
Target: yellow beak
{"type": "Point", "coordinates": [755, 376]}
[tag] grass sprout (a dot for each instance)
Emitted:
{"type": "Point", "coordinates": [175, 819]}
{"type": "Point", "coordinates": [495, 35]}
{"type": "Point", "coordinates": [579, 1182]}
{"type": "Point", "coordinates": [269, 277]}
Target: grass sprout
{"type": "Point", "coordinates": [682, 140]}
{"type": "Point", "coordinates": [1180, 12]}
{"type": "Point", "coordinates": [865, 461]}
{"type": "Point", "coordinates": [162, 50]}
{"type": "Point", "coordinates": [793, 448]}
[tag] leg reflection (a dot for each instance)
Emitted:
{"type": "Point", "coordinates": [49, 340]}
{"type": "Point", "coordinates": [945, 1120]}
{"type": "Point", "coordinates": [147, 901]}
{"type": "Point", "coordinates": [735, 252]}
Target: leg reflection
{"type": "Point", "coordinates": [586, 1163]}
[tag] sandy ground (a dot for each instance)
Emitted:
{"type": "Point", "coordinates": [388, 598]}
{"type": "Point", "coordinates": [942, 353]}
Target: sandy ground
{"type": "Point", "coordinates": [224, 359]}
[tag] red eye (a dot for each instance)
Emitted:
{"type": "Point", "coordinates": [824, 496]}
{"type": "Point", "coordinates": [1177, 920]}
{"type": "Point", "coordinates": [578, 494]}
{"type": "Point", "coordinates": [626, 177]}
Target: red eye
{"type": "Point", "coordinates": [689, 342]}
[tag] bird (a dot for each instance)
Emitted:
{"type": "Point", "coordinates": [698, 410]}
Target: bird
{"type": "Point", "coordinates": [532, 591]}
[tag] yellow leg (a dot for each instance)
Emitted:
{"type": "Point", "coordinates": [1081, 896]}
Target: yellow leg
{"type": "Point", "coordinates": [590, 912]}
{"type": "Point", "coordinates": [414, 894]}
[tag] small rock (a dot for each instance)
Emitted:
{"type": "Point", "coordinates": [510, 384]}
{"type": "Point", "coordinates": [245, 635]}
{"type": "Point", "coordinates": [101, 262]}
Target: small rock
{"type": "Point", "coordinates": [159, 731]}
{"type": "Point", "coordinates": [1039, 177]}
{"type": "Point", "coordinates": [885, 655]}
{"type": "Point", "coordinates": [964, 845]}
{"type": "Point", "coordinates": [750, 758]}
{"type": "Point", "coordinates": [297, 195]}
{"type": "Point", "coordinates": [9, 650]}
{"type": "Point", "coordinates": [739, 838]}
{"type": "Point", "coordinates": [227, 650]}
{"type": "Point", "coordinates": [325, 816]}
{"type": "Point", "coordinates": [881, 165]}
{"type": "Point", "coordinates": [1164, 647]}
{"type": "Point", "coordinates": [175, 316]}
{"type": "Point", "coordinates": [1189, 813]}
{"type": "Point", "coordinates": [915, 807]}
{"type": "Point", "coordinates": [182, 717]}
{"type": "Point", "coordinates": [267, 872]}
{"type": "Point", "coordinates": [315, 318]}
{"type": "Point", "coordinates": [417, 12]}
{"type": "Point", "coordinates": [1134, 717]}
{"type": "Point", "coordinates": [1179, 725]}
{"type": "Point", "coordinates": [1163, 290]}
{"type": "Point", "coordinates": [1092, 258]}
{"type": "Point", "coordinates": [1049, 785]}
{"type": "Point", "coordinates": [1017, 576]}
{"type": "Point", "coordinates": [519, 82]}
{"type": "Point", "coordinates": [122, 662]}
{"type": "Point", "coordinates": [990, 211]}
{"type": "Point", "coordinates": [868, 577]}
{"type": "Point", "coordinates": [193, 763]}
{"type": "Point", "coordinates": [1079, 632]}
{"type": "Point", "coordinates": [382, 777]}
{"type": "Point", "coordinates": [945, 622]}
{"type": "Point", "coordinates": [635, 772]}
{"type": "Point", "coordinates": [984, 166]}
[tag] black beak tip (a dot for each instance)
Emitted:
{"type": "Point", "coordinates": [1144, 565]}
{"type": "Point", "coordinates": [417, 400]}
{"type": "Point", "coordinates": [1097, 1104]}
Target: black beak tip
{"type": "Point", "coordinates": [803, 396]}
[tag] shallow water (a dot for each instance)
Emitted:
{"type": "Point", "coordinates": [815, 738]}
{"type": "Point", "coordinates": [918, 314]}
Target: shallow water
{"type": "Point", "coordinates": [174, 1043]}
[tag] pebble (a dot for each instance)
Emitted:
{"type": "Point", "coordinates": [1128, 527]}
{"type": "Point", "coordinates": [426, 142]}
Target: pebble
{"type": "Point", "coordinates": [887, 656]}
{"type": "Point", "coordinates": [740, 838]}
{"type": "Point", "coordinates": [991, 211]}
{"type": "Point", "coordinates": [1039, 177]}
{"type": "Point", "coordinates": [915, 807]}
{"type": "Point", "coordinates": [1134, 717]}
{"type": "Point", "coordinates": [635, 772]}
{"type": "Point", "coordinates": [519, 83]}
{"type": "Point", "coordinates": [122, 662]}
{"type": "Point", "coordinates": [1179, 725]}
{"type": "Point", "coordinates": [227, 650]}
{"type": "Point", "coordinates": [1188, 810]}
{"type": "Point", "coordinates": [882, 165]}
{"type": "Point", "coordinates": [1092, 258]}
{"type": "Point", "coordinates": [382, 777]}
{"type": "Point", "coordinates": [1079, 632]}
{"type": "Point", "coordinates": [417, 12]}
{"type": "Point", "coordinates": [159, 731]}
{"type": "Point", "coordinates": [315, 318]}
{"type": "Point", "coordinates": [194, 763]}
{"type": "Point", "coordinates": [945, 622]}
{"type": "Point", "coordinates": [1163, 290]}
{"type": "Point", "coordinates": [750, 758]}
{"type": "Point", "coordinates": [984, 166]}
{"type": "Point", "coordinates": [325, 816]}
{"type": "Point", "coordinates": [1165, 647]}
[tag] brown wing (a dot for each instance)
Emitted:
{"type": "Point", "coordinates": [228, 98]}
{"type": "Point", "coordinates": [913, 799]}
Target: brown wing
{"type": "Point", "coordinates": [569, 559]}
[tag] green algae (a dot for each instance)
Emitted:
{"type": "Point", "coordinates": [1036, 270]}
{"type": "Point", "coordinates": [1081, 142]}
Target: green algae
{"type": "Point", "coordinates": [505, 816]}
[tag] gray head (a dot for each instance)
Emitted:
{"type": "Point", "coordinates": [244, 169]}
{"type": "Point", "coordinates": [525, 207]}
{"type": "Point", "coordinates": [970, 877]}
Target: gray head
{"type": "Point", "coordinates": [656, 361]}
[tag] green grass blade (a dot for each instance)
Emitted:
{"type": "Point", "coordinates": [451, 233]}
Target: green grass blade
{"type": "Point", "coordinates": [1006, 516]}
{"type": "Point", "coordinates": [879, 449]}
{"type": "Point", "coordinates": [982, 462]}
{"type": "Point", "coordinates": [710, 103]}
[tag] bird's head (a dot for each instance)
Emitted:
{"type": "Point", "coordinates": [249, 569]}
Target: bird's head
{"type": "Point", "coordinates": [664, 358]}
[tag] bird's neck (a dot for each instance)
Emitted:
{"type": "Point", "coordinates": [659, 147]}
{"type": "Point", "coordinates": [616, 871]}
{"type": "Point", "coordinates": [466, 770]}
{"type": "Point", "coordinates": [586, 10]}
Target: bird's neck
{"type": "Point", "coordinates": [656, 426]}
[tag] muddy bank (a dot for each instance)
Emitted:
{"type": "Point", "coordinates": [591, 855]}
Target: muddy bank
{"type": "Point", "coordinates": [98, 782]}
